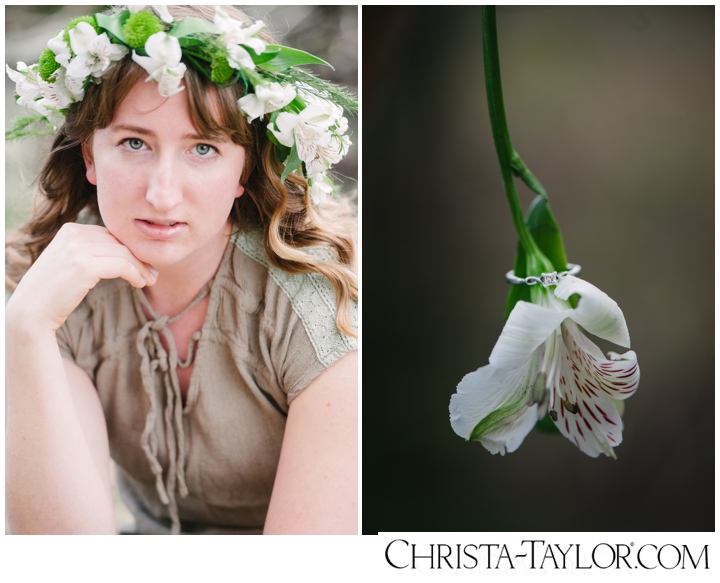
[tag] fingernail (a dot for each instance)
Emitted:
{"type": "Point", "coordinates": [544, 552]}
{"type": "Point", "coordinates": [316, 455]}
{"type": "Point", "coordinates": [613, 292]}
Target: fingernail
{"type": "Point", "coordinates": [144, 283]}
{"type": "Point", "coordinates": [153, 272]}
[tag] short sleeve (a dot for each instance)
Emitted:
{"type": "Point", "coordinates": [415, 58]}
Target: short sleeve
{"type": "Point", "coordinates": [300, 322]}
{"type": "Point", "coordinates": [75, 339]}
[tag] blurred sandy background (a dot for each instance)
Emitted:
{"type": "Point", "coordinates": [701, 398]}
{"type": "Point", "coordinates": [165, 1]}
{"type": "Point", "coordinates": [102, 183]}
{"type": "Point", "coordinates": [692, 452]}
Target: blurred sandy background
{"type": "Point", "coordinates": [330, 32]}
{"type": "Point", "coordinates": [613, 109]}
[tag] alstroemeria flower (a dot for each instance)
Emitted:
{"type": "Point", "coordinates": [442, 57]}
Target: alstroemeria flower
{"type": "Point", "coordinates": [163, 63]}
{"type": "Point", "coordinates": [308, 130]}
{"type": "Point", "coordinates": [42, 97]}
{"type": "Point", "coordinates": [268, 97]}
{"type": "Point", "coordinates": [27, 83]}
{"type": "Point", "coordinates": [330, 153]}
{"type": "Point", "coordinates": [161, 10]}
{"type": "Point", "coordinates": [321, 186]}
{"type": "Point", "coordinates": [94, 53]}
{"type": "Point", "coordinates": [60, 48]}
{"type": "Point", "coordinates": [235, 34]}
{"type": "Point", "coordinates": [543, 362]}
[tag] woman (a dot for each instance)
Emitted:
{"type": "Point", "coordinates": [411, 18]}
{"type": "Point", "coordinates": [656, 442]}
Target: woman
{"type": "Point", "coordinates": [182, 306]}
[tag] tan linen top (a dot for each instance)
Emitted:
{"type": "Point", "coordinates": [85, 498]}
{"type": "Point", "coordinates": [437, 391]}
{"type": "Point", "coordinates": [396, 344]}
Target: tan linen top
{"type": "Point", "coordinates": [206, 466]}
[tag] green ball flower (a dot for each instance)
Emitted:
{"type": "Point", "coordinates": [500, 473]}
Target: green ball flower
{"type": "Point", "coordinates": [141, 26]}
{"type": "Point", "coordinates": [221, 70]}
{"type": "Point", "coordinates": [75, 21]}
{"type": "Point", "coordinates": [47, 65]}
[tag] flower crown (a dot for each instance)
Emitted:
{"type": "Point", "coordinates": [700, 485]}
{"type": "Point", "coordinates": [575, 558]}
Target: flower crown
{"type": "Point", "coordinates": [306, 121]}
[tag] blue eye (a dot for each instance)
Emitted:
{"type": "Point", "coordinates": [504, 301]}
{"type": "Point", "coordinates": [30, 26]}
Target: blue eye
{"type": "Point", "coordinates": [134, 143]}
{"type": "Point", "coordinates": [203, 149]}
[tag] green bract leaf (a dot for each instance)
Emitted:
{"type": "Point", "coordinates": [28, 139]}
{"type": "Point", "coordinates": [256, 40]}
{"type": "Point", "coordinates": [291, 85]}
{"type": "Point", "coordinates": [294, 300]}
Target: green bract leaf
{"type": "Point", "coordinates": [263, 57]}
{"type": "Point", "coordinates": [292, 163]}
{"type": "Point", "coordinates": [189, 42]}
{"type": "Point", "coordinates": [193, 25]}
{"type": "Point", "coordinates": [518, 292]}
{"type": "Point", "coordinates": [542, 226]}
{"type": "Point", "coordinates": [546, 233]}
{"type": "Point", "coordinates": [287, 57]}
{"type": "Point", "coordinates": [113, 23]}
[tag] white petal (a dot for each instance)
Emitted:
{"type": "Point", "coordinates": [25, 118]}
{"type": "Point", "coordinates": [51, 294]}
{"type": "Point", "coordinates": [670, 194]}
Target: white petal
{"type": "Point", "coordinates": [252, 106]}
{"type": "Point", "coordinates": [285, 123]}
{"type": "Point", "coordinates": [148, 63]}
{"type": "Point", "coordinates": [81, 37]}
{"type": "Point", "coordinates": [255, 44]}
{"type": "Point", "coordinates": [164, 48]}
{"type": "Point", "coordinates": [527, 328]}
{"type": "Point", "coordinates": [510, 436]}
{"type": "Point", "coordinates": [590, 385]}
{"type": "Point", "coordinates": [238, 58]}
{"type": "Point", "coordinates": [499, 399]}
{"type": "Point", "coordinates": [163, 12]}
{"type": "Point", "coordinates": [596, 311]}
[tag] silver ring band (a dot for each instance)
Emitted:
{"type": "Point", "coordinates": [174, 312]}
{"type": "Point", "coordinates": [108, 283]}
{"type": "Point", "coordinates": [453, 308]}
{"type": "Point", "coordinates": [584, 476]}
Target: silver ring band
{"type": "Point", "coordinates": [545, 279]}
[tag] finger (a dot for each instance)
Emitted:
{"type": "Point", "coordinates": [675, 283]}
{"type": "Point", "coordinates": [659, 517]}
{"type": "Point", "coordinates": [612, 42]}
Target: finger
{"type": "Point", "coordinates": [119, 250]}
{"type": "Point", "coordinates": [114, 267]}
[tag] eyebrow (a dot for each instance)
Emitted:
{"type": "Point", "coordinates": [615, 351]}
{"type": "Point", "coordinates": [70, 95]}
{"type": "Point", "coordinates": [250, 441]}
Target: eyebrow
{"type": "Point", "coordinates": [147, 132]}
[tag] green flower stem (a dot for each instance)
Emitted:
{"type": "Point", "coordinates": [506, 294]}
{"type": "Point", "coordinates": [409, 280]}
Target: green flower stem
{"type": "Point", "coordinates": [510, 161]}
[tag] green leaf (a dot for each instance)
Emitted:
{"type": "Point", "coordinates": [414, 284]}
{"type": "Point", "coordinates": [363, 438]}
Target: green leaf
{"type": "Point", "coordinates": [544, 229]}
{"type": "Point", "coordinates": [518, 292]}
{"type": "Point", "coordinates": [113, 24]}
{"type": "Point", "coordinates": [292, 163]}
{"type": "Point", "coordinates": [263, 57]}
{"type": "Point", "coordinates": [193, 25]}
{"type": "Point", "coordinates": [286, 57]}
{"type": "Point", "coordinates": [189, 42]}
{"type": "Point", "coordinates": [546, 233]}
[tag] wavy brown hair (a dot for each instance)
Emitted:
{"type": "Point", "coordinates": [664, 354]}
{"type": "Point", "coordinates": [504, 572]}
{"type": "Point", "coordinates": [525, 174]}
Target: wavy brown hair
{"type": "Point", "coordinates": [290, 224]}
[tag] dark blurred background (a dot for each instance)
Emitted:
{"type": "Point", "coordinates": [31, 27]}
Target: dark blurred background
{"type": "Point", "coordinates": [613, 110]}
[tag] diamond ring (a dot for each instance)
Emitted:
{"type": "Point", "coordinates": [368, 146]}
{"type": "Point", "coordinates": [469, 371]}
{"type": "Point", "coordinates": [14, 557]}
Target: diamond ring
{"type": "Point", "coordinates": [545, 279]}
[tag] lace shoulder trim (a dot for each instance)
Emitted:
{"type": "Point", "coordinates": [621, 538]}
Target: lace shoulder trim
{"type": "Point", "coordinates": [312, 297]}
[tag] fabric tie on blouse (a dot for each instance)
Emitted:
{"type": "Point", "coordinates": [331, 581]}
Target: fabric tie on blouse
{"type": "Point", "coordinates": [154, 357]}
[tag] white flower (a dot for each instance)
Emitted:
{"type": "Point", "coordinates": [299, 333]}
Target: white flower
{"type": "Point", "coordinates": [542, 361]}
{"type": "Point", "coordinates": [44, 98]}
{"type": "Point", "coordinates": [94, 53]}
{"type": "Point", "coordinates": [27, 83]}
{"type": "Point", "coordinates": [268, 97]}
{"type": "Point", "coordinates": [161, 10]}
{"type": "Point", "coordinates": [320, 188]}
{"type": "Point", "coordinates": [308, 130]}
{"type": "Point", "coordinates": [60, 48]}
{"type": "Point", "coordinates": [163, 63]}
{"type": "Point", "coordinates": [329, 154]}
{"type": "Point", "coordinates": [235, 34]}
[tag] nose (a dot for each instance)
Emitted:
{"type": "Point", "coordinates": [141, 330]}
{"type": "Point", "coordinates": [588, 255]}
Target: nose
{"type": "Point", "coordinates": [164, 190]}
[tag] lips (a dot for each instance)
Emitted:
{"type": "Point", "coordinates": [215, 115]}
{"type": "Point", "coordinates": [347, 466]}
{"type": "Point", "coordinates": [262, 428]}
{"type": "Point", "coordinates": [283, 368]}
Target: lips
{"type": "Point", "coordinates": [160, 229]}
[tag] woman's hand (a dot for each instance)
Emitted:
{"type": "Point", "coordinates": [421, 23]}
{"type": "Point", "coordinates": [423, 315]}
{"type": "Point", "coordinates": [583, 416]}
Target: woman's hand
{"type": "Point", "coordinates": [70, 266]}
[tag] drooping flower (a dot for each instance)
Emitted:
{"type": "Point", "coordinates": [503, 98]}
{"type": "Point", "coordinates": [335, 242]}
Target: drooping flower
{"type": "Point", "coordinates": [94, 53]}
{"type": "Point", "coordinates": [235, 34]}
{"type": "Point", "coordinates": [308, 130]}
{"type": "Point", "coordinates": [163, 63]}
{"type": "Point", "coordinates": [543, 362]}
{"type": "Point", "coordinates": [268, 97]}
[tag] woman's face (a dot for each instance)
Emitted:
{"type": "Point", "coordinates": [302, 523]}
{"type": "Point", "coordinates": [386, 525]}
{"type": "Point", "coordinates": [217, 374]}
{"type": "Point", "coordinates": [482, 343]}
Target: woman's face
{"type": "Point", "coordinates": [164, 191]}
